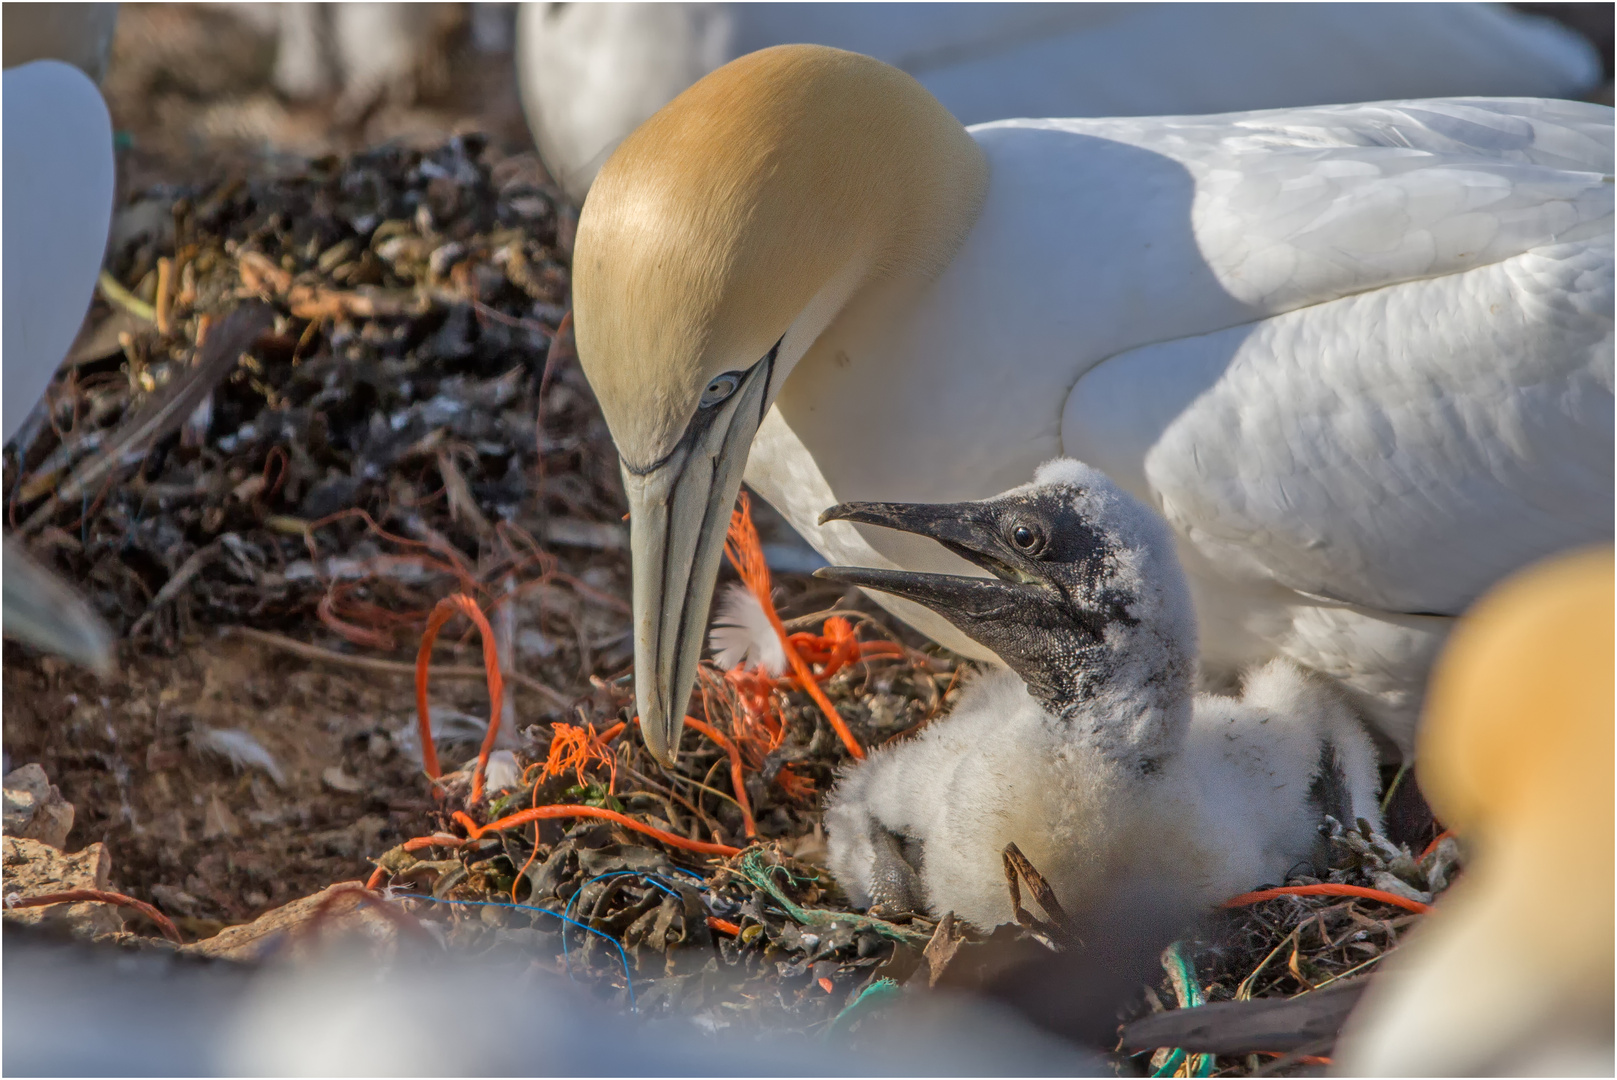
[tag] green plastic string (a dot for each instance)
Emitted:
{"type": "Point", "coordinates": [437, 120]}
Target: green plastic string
{"type": "Point", "coordinates": [874, 996]}
{"type": "Point", "coordinates": [1183, 974]}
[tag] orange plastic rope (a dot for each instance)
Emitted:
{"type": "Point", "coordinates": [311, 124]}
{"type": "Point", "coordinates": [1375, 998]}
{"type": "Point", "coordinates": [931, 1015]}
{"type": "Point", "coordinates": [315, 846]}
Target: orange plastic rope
{"type": "Point", "coordinates": [1436, 840]}
{"type": "Point", "coordinates": [736, 780]}
{"type": "Point", "coordinates": [442, 612]}
{"type": "Point", "coordinates": [1328, 889]}
{"type": "Point", "coordinates": [746, 554]}
{"type": "Point", "coordinates": [102, 896]}
{"type": "Point", "coordinates": [564, 810]}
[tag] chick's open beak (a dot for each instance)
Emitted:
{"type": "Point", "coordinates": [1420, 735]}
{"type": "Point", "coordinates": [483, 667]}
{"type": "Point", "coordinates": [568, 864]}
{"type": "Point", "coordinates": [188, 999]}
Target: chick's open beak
{"type": "Point", "coordinates": [679, 512]}
{"type": "Point", "coordinates": [967, 529]}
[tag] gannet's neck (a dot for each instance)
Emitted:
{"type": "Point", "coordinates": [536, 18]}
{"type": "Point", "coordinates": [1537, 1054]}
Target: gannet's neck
{"type": "Point", "coordinates": [752, 207]}
{"type": "Point", "coordinates": [1130, 695]}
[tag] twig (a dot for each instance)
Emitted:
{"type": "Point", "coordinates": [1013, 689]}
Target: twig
{"type": "Point", "coordinates": [116, 294]}
{"type": "Point", "coordinates": [188, 570]}
{"type": "Point", "coordinates": [167, 411]}
{"type": "Point", "coordinates": [165, 294]}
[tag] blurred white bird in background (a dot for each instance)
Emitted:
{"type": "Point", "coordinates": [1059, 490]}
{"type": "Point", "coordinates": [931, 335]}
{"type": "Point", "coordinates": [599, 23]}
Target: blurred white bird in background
{"type": "Point", "coordinates": [361, 53]}
{"type": "Point", "coordinates": [59, 183]}
{"type": "Point", "coordinates": [592, 73]}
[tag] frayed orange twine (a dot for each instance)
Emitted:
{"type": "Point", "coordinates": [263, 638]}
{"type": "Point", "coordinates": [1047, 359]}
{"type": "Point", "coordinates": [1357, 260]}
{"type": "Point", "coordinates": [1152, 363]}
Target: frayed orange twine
{"type": "Point", "coordinates": [746, 554]}
{"type": "Point", "coordinates": [442, 612]}
{"type": "Point", "coordinates": [574, 748]}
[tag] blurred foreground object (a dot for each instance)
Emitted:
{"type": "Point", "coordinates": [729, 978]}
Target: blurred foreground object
{"type": "Point", "coordinates": [79, 34]}
{"type": "Point", "coordinates": [44, 611]}
{"type": "Point", "coordinates": [160, 1013]}
{"type": "Point", "coordinates": [59, 179]}
{"type": "Point", "coordinates": [1516, 756]}
{"type": "Point", "coordinates": [592, 73]}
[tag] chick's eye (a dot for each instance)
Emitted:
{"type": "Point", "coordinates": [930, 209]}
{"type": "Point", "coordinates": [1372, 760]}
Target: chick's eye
{"type": "Point", "coordinates": [720, 388]}
{"type": "Point", "coordinates": [1025, 537]}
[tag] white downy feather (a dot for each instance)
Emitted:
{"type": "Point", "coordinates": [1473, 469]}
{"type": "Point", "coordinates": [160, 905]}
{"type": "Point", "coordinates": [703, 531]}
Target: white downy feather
{"type": "Point", "coordinates": [241, 748]}
{"type": "Point", "coordinates": [502, 773]}
{"type": "Point", "coordinates": [743, 634]}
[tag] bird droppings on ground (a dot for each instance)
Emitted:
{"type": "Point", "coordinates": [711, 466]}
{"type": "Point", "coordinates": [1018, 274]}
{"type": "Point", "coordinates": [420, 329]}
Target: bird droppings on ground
{"type": "Point", "coordinates": [272, 557]}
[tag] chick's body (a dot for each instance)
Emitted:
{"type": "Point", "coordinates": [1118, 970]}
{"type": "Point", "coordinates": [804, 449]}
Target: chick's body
{"type": "Point", "coordinates": [1138, 794]}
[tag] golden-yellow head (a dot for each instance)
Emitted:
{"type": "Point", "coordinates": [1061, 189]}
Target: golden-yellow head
{"type": "Point", "coordinates": [717, 243]}
{"type": "Point", "coordinates": [1513, 970]}
{"type": "Point", "coordinates": [1519, 716]}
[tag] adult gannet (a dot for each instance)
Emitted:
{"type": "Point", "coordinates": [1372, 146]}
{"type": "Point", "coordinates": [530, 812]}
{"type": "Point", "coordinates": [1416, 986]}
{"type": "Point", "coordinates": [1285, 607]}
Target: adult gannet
{"type": "Point", "coordinates": [1359, 356]}
{"type": "Point", "coordinates": [59, 177]}
{"type": "Point", "coordinates": [591, 73]}
{"type": "Point", "coordinates": [1512, 973]}
{"type": "Point", "coordinates": [1093, 754]}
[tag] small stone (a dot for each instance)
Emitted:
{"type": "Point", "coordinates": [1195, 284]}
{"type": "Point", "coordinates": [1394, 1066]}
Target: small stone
{"type": "Point", "coordinates": [341, 910]}
{"type": "Point", "coordinates": [1386, 882]}
{"type": "Point", "coordinates": [379, 747]}
{"type": "Point", "coordinates": [35, 809]}
{"type": "Point", "coordinates": [177, 901]}
{"type": "Point", "coordinates": [337, 780]}
{"type": "Point", "coordinates": [34, 869]}
{"type": "Point", "coordinates": [218, 821]}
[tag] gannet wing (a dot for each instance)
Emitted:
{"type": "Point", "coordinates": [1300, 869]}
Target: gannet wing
{"type": "Point", "coordinates": [57, 208]}
{"type": "Point", "coordinates": [1423, 401]}
{"type": "Point", "coordinates": [991, 61]}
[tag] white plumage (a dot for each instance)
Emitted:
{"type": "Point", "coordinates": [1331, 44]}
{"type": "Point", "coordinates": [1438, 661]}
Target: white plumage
{"type": "Point", "coordinates": [742, 633]}
{"type": "Point", "coordinates": [1139, 793]}
{"type": "Point", "coordinates": [591, 73]}
{"type": "Point", "coordinates": [1359, 356]}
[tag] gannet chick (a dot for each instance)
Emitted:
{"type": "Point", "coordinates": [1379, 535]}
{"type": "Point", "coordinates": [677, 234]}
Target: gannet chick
{"type": "Point", "coordinates": [1093, 754]}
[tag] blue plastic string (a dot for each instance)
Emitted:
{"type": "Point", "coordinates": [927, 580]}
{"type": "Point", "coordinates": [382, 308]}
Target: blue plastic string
{"type": "Point", "coordinates": [568, 910]}
{"type": "Point", "coordinates": [623, 957]}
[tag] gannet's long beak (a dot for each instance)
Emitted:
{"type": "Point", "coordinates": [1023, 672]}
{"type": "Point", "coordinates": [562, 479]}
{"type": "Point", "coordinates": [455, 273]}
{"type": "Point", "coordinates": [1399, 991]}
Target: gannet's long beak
{"type": "Point", "coordinates": [42, 610]}
{"type": "Point", "coordinates": [679, 512]}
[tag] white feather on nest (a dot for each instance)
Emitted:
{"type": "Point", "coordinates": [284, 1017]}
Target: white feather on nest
{"type": "Point", "coordinates": [742, 633]}
{"type": "Point", "coordinates": [240, 748]}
